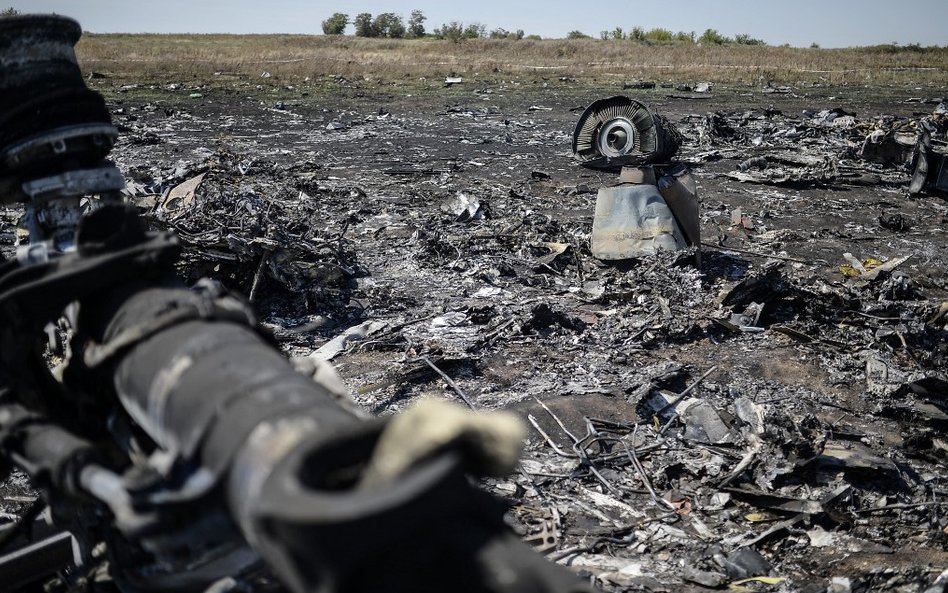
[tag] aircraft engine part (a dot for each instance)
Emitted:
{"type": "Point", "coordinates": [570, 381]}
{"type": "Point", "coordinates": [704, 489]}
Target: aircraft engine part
{"type": "Point", "coordinates": [621, 131]}
{"type": "Point", "coordinates": [632, 219]}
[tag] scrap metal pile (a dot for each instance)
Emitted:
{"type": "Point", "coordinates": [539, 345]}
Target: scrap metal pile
{"type": "Point", "coordinates": [837, 147]}
{"type": "Point", "coordinates": [772, 421]}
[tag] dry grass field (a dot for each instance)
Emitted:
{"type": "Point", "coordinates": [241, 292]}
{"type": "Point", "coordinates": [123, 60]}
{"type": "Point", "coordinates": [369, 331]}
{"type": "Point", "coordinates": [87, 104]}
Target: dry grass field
{"type": "Point", "coordinates": [197, 57]}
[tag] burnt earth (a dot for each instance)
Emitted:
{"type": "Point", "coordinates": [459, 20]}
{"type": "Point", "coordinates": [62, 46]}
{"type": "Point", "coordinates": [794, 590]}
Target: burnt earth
{"type": "Point", "coordinates": [460, 223]}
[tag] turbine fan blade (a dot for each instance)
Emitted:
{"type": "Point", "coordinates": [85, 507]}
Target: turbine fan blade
{"type": "Point", "coordinates": [643, 137]}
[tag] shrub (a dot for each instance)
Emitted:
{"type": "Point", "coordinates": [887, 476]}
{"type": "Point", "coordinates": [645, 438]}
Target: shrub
{"type": "Point", "coordinates": [475, 31]}
{"type": "Point", "coordinates": [453, 31]}
{"type": "Point", "coordinates": [660, 35]}
{"type": "Point", "coordinates": [577, 35]}
{"type": "Point", "coordinates": [500, 33]}
{"type": "Point", "coordinates": [712, 37]}
{"type": "Point", "coordinates": [745, 39]}
{"type": "Point", "coordinates": [684, 37]}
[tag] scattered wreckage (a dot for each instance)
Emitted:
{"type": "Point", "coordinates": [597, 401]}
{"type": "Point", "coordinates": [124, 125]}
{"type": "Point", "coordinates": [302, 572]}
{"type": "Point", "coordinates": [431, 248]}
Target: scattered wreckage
{"type": "Point", "coordinates": [841, 148]}
{"type": "Point", "coordinates": [772, 421]}
{"type": "Point", "coordinates": [178, 448]}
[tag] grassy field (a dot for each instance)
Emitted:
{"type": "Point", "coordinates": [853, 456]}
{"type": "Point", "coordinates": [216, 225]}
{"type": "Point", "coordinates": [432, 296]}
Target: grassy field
{"type": "Point", "coordinates": [184, 58]}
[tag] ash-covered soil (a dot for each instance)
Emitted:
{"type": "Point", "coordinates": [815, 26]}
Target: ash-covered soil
{"type": "Point", "coordinates": [454, 229]}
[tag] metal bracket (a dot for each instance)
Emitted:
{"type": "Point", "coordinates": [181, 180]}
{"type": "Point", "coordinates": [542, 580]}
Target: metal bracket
{"type": "Point", "coordinates": [78, 183]}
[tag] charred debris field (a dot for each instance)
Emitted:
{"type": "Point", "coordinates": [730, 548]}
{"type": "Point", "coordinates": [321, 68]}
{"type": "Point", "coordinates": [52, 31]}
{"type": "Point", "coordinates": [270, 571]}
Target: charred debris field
{"type": "Point", "coordinates": [772, 421]}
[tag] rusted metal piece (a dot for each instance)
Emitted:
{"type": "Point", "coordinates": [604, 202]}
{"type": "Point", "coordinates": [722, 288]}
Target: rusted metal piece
{"type": "Point", "coordinates": [680, 191]}
{"type": "Point", "coordinates": [930, 158]}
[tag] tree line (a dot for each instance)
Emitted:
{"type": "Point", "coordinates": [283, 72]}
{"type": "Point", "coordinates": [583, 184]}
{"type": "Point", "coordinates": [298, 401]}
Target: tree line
{"type": "Point", "coordinates": [660, 35]}
{"type": "Point", "coordinates": [391, 25]}
{"type": "Point", "coordinates": [387, 24]}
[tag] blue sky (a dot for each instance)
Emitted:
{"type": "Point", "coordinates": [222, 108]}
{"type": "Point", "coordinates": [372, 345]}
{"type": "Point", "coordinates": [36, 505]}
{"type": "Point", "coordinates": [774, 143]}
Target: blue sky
{"type": "Point", "coordinates": [830, 23]}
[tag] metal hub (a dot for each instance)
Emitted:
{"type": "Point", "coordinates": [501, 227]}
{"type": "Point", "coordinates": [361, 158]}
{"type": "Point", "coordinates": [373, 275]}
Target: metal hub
{"type": "Point", "coordinates": [617, 138]}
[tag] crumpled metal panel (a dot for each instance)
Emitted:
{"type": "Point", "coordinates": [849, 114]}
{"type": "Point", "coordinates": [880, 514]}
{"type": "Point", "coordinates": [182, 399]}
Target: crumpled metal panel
{"type": "Point", "coordinates": [681, 194]}
{"type": "Point", "coordinates": [632, 221]}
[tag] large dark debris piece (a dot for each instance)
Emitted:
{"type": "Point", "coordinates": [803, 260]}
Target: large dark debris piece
{"type": "Point", "coordinates": [175, 448]}
{"type": "Point", "coordinates": [930, 159]}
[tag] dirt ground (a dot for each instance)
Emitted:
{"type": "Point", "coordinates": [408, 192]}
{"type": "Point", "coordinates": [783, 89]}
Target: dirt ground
{"type": "Point", "coordinates": [343, 209]}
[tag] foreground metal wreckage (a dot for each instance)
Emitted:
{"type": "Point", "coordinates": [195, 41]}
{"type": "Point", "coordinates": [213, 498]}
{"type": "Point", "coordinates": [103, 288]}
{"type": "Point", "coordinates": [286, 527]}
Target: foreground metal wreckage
{"type": "Point", "coordinates": [174, 443]}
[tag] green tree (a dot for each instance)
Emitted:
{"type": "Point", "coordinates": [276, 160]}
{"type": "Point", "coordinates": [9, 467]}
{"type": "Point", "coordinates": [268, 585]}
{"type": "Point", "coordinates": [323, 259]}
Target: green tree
{"type": "Point", "coordinates": [396, 28]}
{"type": "Point", "coordinates": [712, 37]}
{"type": "Point", "coordinates": [364, 25]}
{"type": "Point", "coordinates": [577, 35]}
{"type": "Point", "coordinates": [618, 34]}
{"type": "Point", "coordinates": [336, 24]}
{"type": "Point", "coordinates": [416, 24]}
{"type": "Point", "coordinates": [388, 24]}
{"type": "Point", "coordinates": [637, 34]}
